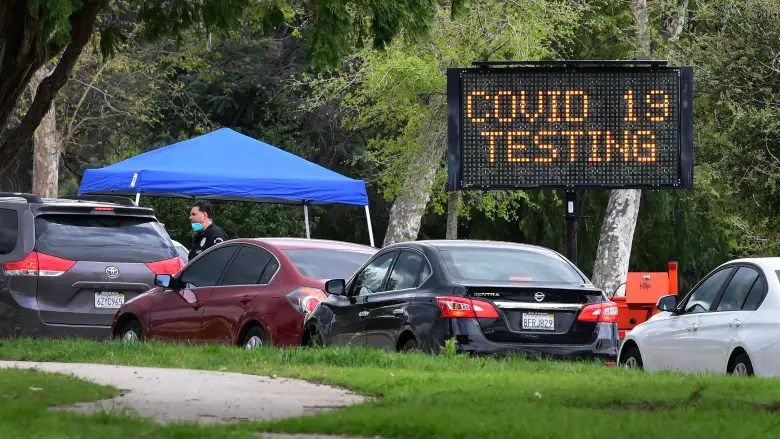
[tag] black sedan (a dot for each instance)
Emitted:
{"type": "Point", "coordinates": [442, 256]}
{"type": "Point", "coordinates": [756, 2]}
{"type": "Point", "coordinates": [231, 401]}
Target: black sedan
{"type": "Point", "coordinates": [490, 297]}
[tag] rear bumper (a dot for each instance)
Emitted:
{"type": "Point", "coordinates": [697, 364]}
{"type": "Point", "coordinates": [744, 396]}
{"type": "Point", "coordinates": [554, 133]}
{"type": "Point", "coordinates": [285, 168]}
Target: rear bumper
{"type": "Point", "coordinates": [470, 339]}
{"type": "Point", "coordinates": [19, 317]}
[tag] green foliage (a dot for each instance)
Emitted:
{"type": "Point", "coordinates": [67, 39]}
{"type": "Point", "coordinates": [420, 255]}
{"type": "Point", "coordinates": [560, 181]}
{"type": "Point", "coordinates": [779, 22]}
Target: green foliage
{"type": "Point", "coordinates": [396, 96]}
{"type": "Point", "coordinates": [734, 47]}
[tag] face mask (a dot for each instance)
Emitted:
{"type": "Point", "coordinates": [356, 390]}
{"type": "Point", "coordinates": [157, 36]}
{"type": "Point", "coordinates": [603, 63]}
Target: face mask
{"type": "Point", "coordinates": [197, 227]}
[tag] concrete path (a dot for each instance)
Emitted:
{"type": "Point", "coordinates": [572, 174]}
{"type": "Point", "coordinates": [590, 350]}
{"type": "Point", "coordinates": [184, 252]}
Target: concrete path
{"type": "Point", "coordinates": [202, 396]}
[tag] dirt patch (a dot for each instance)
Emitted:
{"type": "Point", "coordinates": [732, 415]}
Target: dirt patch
{"type": "Point", "coordinates": [206, 397]}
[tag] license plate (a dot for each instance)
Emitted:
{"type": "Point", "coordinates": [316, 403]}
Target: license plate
{"type": "Point", "coordinates": [109, 299]}
{"type": "Point", "coordinates": [539, 321]}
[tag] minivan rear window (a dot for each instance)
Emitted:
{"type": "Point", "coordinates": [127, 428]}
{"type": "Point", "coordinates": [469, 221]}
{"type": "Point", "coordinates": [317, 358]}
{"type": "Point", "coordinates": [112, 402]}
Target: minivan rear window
{"type": "Point", "coordinates": [9, 229]}
{"type": "Point", "coordinates": [508, 265]}
{"type": "Point", "coordinates": [102, 238]}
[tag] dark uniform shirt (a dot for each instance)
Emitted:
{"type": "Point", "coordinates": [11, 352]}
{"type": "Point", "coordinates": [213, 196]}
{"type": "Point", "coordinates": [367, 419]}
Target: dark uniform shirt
{"type": "Point", "coordinates": [205, 239]}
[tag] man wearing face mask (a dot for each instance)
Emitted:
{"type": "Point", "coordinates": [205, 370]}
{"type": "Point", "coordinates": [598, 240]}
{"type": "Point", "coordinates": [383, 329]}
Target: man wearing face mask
{"type": "Point", "coordinates": [207, 234]}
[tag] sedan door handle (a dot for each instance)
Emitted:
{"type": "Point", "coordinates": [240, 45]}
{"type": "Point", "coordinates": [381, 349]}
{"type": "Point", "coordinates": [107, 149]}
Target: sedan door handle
{"type": "Point", "coordinates": [736, 323]}
{"type": "Point", "coordinates": [245, 299]}
{"type": "Point", "coordinates": [362, 314]}
{"type": "Point", "coordinates": [197, 305]}
{"type": "Point", "coordinates": [693, 327]}
{"type": "Point", "coordinates": [398, 311]}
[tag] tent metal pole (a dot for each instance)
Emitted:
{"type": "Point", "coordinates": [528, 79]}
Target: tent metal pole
{"type": "Point", "coordinates": [137, 198]}
{"type": "Point", "coordinates": [370, 229]}
{"type": "Point", "coordinates": [306, 219]}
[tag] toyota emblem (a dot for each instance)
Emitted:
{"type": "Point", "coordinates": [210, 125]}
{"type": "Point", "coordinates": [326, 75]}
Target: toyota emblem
{"type": "Point", "coordinates": [112, 272]}
{"type": "Point", "coordinates": [539, 296]}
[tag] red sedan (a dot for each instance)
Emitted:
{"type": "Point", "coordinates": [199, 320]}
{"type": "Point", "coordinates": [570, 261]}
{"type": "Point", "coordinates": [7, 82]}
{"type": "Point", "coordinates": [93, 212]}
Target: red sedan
{"type": "Point", "coordinates": [249, 292]}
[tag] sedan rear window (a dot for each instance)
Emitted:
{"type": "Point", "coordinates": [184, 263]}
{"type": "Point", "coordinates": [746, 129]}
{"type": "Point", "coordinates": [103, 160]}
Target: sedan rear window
{"type": "Point", "coordinates": [508, 265]}
{"type": "Point", "coordinates": [102, 238]}
{"type": "Point", "coordinates": [327, 264]}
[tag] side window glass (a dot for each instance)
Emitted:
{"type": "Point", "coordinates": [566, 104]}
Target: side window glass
{"type": "Point", "coordinates": [269, 272]}
{"type": "Point", "coordinates": [702, 297]}
{"type": "Point", "coordinates": [424, 272]}
{"type": "Point", "coordinates": [9, 229]}
{"type": "Point", "coordinates": [205, 272]}
{"type": "Point", "coordinates": [756, 295]}
{"type": "Point", "coordinates": [738, 288]}
{"type": "Point", "coordinates": [247, 267]}
{"type": "Point", "coordinates": [369, 281]}
{"type": "Point", "coordinates": [405, 272]}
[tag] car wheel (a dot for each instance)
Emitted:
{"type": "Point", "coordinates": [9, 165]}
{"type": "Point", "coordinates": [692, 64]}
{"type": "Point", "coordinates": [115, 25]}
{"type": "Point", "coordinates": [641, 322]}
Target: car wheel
{"type": "Point", "coordinates": [132, 331]}
{"type": "Point", "coordinates": [315, 338]}
{"type": "Point", "coordinates": [410, 345]}
{"type": "Point", "coordinates": [632, 359]}
{"type": "Point", "coordinates": [254, 339]}
{"type": "Point", "coordinates": [741, 365]}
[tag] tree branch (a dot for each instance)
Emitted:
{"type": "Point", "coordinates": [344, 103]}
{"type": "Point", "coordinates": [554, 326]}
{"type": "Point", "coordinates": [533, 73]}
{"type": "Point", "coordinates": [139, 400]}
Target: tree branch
{"type": "Point", "coordinates": [82, 23]}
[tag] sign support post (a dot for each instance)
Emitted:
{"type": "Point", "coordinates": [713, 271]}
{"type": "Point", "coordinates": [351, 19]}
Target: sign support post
{"type": "Point", "coordinates": [570, 202]}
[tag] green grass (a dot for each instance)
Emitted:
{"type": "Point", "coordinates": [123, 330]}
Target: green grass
{"type": "Point", "coordinates": [458, 397]}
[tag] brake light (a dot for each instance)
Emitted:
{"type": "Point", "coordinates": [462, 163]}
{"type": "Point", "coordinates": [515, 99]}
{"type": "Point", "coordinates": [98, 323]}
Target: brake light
{"type": "Point", "coordinates": [168, 266]}
{"type": "Point", "coordinates": [465, 308]}
{"type": "Point", "coordinates": [604, 312]}
{"type": "Point", "coordinates": [305, 299]}
{"type": "Point", "coordinates": [38, 264]}
{"type": "Point", "coordinates": [103, 209]}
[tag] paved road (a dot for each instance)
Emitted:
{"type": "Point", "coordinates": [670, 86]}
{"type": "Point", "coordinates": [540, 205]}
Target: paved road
{"type": "Point", "coordinates": [202, 396]}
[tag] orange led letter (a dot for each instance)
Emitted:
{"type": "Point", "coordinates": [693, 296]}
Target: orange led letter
{"type": "Point", "coordinates": [512, 146]}
{"type": "Point", "coordinates": [572, 143]}
{"type": "Point", "coordinates": [470, 106]}
{"type": "Point", "coordinates": [663, 105]}
{"type": "Point", "coordinates": [648, 146]}
{"type": "Point", "coordinates": [568, 105]}
{"type": "Point", "coordinates": [491, 135]}
{"type": "Point", "coordinates": [547, 146]}
{"type": "Point", "coordinates": [594, 151]}
{"type": "Point", "coordinates": [539, 106]}
{"type": "Point", "coordinates": [497, 106]}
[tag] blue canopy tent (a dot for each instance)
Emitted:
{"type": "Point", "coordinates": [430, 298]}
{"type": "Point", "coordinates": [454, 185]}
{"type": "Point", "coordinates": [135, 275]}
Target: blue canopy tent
{"type": "Point", "coordinates": [226, 165]}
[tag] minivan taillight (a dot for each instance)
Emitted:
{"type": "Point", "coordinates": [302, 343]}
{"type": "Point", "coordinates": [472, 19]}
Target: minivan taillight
{"type": "Point", "coordinates": [603, 312]}
{"type": "Point", "coordinates": [465, 308]}
{"type": "Point", "coordinates": [168, 266]}
{"type": "Point", "coordinates": [38, 264]}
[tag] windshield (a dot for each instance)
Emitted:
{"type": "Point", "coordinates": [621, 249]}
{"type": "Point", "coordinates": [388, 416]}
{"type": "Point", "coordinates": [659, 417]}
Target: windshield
{"type": "Point", "coordinates": [508, 265]}
{"type": "Point", "coordinates": [102, 238]}
{"type": "Point", "coordinates": [327, 264]}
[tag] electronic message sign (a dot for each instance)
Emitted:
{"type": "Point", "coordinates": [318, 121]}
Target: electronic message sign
{"type": "Point", "coordinates": [570, 127]}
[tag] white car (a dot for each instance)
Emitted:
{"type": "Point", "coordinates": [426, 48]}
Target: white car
{"type": "Point", "coordinates": [728, 323]}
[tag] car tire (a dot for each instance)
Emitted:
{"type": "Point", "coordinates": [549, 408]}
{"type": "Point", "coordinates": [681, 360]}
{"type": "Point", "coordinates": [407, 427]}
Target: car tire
{"type": "Point", "coordinates": [254, 339]}
{"type": "Point", "coordinates": [315, 338]}
{"type": "Point", "coordinates": [410, 345]}
{"type": "Point", "coordinates": [741, 365]}
{"type": "Point", "coordinates": [132, 331]}
{"type": "Point", "coordinates": [632, 359]}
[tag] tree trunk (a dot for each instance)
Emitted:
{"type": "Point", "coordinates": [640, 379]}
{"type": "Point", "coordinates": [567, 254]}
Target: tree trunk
{"type": "Point", "coordinates": [616, 239]}
{"type": "Point", "coordinates": [453, 200]}
{"type": "Point", "coordinates": [409, 207]}
{"type": "Point", "coordinates": [21, 58]}
{"type": "Point", "coordinates": [617, 230]}
{"type": "Point", "coordinates": [47, 147]}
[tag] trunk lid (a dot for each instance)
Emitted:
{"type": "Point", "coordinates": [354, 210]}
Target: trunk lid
{"type": "Point", "coordinates": [543, 314]}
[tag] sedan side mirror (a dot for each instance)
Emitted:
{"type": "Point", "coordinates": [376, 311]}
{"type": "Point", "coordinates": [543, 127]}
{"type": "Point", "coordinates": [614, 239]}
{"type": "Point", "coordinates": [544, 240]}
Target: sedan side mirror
{"type": "Point", "coordinates": [667, 303]}
{"type": "Point", "coordinates": [335, 286]}
{"type": "Point", "coordinates": [163, 280]}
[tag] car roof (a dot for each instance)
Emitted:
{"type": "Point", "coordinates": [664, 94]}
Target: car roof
{"type": "Point", "coordinates": [304, 243]}
{"type": "Point", "coordinates": [770, 263]}
{"type": "Point", "coordinates": [449, 244]}
{"type": "Point", "coordinates": [64, 202]}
